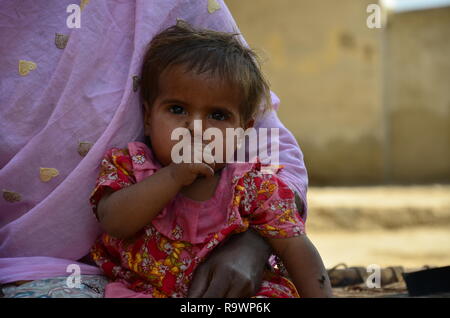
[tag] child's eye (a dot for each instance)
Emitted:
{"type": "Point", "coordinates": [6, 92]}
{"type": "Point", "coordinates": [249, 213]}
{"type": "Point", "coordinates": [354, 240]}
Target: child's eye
{"type": "Point", "coordinates": [219, 116]}
{"type": "Point", "coordinates": [175, 109]}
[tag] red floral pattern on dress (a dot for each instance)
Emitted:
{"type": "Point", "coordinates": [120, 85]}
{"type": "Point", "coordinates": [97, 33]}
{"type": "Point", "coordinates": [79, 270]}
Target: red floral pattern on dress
{"type": "Point", "coordinates": [153, 264]}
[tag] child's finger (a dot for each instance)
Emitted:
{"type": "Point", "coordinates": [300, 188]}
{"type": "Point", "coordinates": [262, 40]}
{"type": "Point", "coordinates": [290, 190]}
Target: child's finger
{"type": "Point", "coordinates": [207, 155]}
{"type": "Point", "coordinates": [205, 170]}
{"type": "Point", "coordinates": [197, 152]}
{"type": "Point", "coordinates": [209, 162]}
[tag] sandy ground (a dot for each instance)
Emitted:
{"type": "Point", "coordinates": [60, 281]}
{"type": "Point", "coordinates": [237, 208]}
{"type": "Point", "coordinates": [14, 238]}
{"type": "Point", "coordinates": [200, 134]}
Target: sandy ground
{"type": "Point", "coordinates": [408, 248]}
{"type": "Point", "coordinates": [389, 226]}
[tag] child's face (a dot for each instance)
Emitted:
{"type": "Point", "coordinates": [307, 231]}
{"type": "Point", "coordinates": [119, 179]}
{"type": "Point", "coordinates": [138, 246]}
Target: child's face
{"type": "Point", "coordinates": [184, 97]}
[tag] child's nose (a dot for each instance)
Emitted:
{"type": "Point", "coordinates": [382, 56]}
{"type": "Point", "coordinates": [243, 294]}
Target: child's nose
{"type": "Point", "coordinates": [195, 126]}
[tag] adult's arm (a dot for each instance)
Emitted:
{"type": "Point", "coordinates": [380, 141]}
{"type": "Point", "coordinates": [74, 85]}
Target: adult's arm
{"type": "Point", "coordinates": [233, 269]}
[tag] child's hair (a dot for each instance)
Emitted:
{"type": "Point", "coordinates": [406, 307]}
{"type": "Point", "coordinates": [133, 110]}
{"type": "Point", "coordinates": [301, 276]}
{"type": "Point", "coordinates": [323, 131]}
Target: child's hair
{"type": "Point", "coordinates": [206, 51]}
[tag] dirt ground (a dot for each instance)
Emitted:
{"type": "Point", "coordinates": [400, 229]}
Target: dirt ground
{"type": "Point", "coordinates": [406, 226]}
{"type": "Point", "coordinates": [410, 248]}
{"type": "Point", "coordinates": [391, 225]}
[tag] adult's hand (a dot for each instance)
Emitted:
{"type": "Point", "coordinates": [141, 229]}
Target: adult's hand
{"type": "Point", "coordinates": [232, 270]}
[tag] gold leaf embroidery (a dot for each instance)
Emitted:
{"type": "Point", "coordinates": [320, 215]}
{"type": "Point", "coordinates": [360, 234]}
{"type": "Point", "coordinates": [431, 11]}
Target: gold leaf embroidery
{"type": "Point", "coordinates": [213, 6]}
{"type": "Point", "coordinates": [11, 196]}
{"type": "Point", "coordinates": [83, 3]}
{"type": "Point", "coordinates": [47, 174]}
{"type": "Point", "coordinates": [26, 66]}
{"type": "Point", "coordinates": [83, 148]}
{"type": "Point", "coordinates": [61, 40]}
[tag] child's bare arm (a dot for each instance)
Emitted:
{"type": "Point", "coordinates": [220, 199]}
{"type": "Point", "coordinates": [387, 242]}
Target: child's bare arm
{"type": "Point", "coordinates": [126, 211]}
{"type": "Point", "coordinates": [304, 264]}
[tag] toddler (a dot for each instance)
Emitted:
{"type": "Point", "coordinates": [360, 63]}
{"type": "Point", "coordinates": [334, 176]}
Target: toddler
{"type": "Point", "coordinates": [161, 218]}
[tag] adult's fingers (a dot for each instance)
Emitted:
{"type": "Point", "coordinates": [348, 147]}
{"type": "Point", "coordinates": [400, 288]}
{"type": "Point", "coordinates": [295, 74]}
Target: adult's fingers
{"type": "Point", "coordinates": [200, 282]}
{"type": "Point", "coordinates": [218, 288]}
{"type": "Point", "coordinates": [238, 290]}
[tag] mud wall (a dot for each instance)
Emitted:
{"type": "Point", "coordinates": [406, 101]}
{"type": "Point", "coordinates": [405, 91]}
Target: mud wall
{"type": "Point", "coordinates": [367, 106]}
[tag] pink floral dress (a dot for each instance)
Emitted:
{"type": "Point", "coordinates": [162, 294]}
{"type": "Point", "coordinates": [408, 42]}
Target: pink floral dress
{"type": "Point", "coordinates": [159, 261]}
